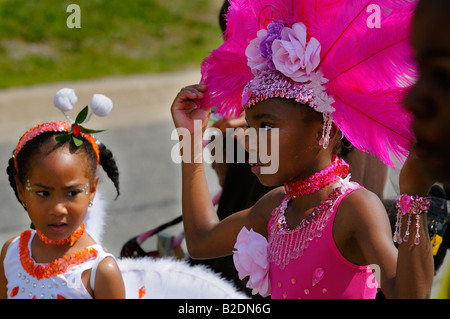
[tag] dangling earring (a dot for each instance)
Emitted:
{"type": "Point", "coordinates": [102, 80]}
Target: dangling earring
{"type": "Point", "coordinates": [327, 123]}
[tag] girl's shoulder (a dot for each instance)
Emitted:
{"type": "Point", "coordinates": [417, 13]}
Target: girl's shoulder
{"type": "Point", "coordinates": [6, 246]}
{"type": "Point", "coordinates": [363, 207]}
{"type": "Point", "coordinates": [361, 199]}
{"type": "Point", "coordinates": [258, 216]}
{"type": "Point", "coordinates": [108, 282]}
{"type": "Point", "coordinates": [271, 200]}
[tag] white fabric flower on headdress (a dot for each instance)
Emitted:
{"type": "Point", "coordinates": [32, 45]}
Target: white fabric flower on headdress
{"type": "Point", "coordinates": [65, 99]}
{"type": "Point", "coordinates": [101, 105]}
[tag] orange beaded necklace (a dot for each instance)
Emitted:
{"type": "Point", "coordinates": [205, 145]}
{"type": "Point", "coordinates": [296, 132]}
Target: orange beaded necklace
{"type": "Point", "coordinates": [55, 267]}
{"type": "Point", "coordinates": [71, 239]}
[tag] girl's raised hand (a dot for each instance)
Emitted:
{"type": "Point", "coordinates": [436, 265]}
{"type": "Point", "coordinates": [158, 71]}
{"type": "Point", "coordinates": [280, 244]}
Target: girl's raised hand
{"type": "Point", "coordinates": [185, 110]}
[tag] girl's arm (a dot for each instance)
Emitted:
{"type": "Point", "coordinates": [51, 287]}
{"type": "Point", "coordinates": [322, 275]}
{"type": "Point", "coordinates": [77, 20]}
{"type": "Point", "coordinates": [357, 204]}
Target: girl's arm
{"type": "Point", "coordinates": [206, 236]}
{"type": "Point", "coordinates": [108, 280]}
{"type": "Point", "coordinates": [407, 272]}
{"type": "Point", "coordinates": [415, 266]}
{"type": "Point", "coordinates": [3, 281]}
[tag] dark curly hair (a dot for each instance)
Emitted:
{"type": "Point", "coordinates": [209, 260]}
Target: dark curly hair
{"type": "Point", "coordinates": [35, 147]}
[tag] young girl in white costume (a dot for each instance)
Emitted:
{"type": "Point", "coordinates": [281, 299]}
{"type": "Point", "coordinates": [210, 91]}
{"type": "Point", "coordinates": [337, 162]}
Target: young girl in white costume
{"type": "Point", "coordinates": [313, 69]}
{"type": "Point", "coordinates": [53, 172]}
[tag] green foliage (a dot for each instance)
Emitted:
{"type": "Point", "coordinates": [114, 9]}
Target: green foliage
{"type": "Point", "coordinates": [116, 37]}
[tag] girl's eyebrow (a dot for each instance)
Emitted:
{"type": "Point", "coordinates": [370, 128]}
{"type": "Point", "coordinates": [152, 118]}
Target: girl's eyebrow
{"type": "Point", "coordinates": [42, 186]}
{"type": "Point", "coordinates": [73, 186]}
{"type": "Point", "coordinates": [264, 115]}
{"type": "Point", "coordinates": [65, 187]}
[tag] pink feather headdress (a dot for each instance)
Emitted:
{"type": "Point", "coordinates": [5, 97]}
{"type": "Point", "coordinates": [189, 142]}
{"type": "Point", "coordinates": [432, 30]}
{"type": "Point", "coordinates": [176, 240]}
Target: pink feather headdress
{"type": "Point", "coordinates": [324, 54]}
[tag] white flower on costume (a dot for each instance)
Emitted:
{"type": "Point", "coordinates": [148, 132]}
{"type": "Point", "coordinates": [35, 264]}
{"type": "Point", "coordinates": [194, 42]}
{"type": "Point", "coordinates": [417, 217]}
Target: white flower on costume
{"type": "Point", "coordinates": [251, 259]}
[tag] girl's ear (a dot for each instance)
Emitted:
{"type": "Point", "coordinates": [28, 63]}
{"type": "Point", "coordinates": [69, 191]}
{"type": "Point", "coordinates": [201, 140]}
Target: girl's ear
{"type": "Point", "coordinates": [93, 188]}
{"type": "Point", "coordinates": [20, 190]}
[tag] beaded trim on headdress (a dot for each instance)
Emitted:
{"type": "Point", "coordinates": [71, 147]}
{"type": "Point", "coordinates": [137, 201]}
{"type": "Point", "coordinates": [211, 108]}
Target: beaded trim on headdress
{"type": "Point", "coordinates": [269, 84]}
{"type": "Point", "coordinates": [272, 83]}
{"type": "Point", "coordinates": [64, 100]}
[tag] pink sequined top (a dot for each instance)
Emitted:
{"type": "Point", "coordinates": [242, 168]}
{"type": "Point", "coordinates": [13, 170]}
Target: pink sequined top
{"type": "Point", "coordinates": [305, 262]}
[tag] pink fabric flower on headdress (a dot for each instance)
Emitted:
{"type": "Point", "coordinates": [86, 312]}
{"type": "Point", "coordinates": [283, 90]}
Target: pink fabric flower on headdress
{"type": "Point", "coordinates": [293, 56]}
{"type": "Point", "coordinates": [251, 259]}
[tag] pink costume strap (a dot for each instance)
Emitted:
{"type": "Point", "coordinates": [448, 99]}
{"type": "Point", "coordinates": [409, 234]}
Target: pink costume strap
{"type": "Point", "coordinates": [58, 126]}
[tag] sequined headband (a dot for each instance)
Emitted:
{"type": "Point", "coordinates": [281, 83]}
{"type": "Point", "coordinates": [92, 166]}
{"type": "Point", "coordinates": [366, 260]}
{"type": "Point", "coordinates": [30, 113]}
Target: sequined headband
{"type": "Point", "coordinates": [53, 127]}
{"type": "Point", "coordinates": [270, 84]}
{"type": "Point", "coordinates": [64, 101]}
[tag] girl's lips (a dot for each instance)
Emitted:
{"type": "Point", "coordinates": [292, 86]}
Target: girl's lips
{"type": "Point", "coordinates": [255, 168]}
{"type": "Point", "coordinates": [58, 227]}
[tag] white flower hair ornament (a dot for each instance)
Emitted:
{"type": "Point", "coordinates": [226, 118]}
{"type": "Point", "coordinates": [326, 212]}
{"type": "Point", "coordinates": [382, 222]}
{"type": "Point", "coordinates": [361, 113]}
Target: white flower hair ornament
{"type": "Point", "coordinates": [101, 105]}
{"type": "Point", "coordinates": [64, 100]}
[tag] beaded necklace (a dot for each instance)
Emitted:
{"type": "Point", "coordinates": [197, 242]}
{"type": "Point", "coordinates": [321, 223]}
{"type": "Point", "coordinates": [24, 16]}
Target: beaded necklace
{"type": "Point", "coordinates": [55, 267]}
{"type": "Point", "coordinates": [302, 187]}
{"type": "Point", "coordinates": [71, 239]}
{"type": "Point", "coordinates": [286, 243]}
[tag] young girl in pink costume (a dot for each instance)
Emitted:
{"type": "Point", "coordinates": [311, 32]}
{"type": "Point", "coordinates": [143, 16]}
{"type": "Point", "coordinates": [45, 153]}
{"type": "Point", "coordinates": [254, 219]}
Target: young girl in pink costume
{"type": "Point", "coordinates": [53, 172]}
{"type": "Point", "coordinates": [313, 70]}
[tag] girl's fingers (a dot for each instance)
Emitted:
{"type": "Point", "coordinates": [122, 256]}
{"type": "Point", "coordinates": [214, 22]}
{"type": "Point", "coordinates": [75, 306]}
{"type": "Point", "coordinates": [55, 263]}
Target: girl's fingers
{"type": "Point", "coordinates": [193, 91]}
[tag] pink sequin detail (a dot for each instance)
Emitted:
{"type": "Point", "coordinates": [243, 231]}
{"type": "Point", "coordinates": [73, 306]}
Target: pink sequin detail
{"type": "Point", "coordinates": [339, 168]}
{"type": "Point", "coordinates": [298, 239]}
{"type": "Point", "coordinates": [58, 126]}
{"type": "Point", "coordinates": [412, 204]}
{"type": "Point", "coordinates": [317, 276]}
{"type": "Point", "coordinates": [38, 130]}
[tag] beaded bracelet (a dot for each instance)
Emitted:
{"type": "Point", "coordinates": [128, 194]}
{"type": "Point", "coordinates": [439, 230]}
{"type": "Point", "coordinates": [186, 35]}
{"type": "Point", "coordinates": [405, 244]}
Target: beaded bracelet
{"type": "Point", "coordinates": [411, 205]}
